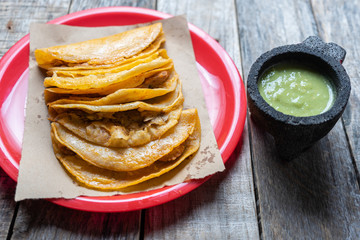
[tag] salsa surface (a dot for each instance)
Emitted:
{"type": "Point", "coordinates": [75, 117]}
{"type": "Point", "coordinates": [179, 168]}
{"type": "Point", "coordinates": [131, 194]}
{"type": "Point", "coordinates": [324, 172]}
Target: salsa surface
{"type": "Point", "coordinates": [297, 90]}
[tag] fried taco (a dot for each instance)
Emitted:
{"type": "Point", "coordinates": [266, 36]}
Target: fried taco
{"type": "Point", "coordinates": [124, 129]}
{"type": "Point", "coordinates": [107, 180]}
{"type": "Point", "coordinates": [101, 51]}
{"type": "Point", "coordinates": [132, 158]}
{"type": "Point", "coordinates": [116, 107]}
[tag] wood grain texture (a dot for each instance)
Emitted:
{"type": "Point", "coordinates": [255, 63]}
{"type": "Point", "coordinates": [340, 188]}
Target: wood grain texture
{"type": "Point", "coordinates": [272, 26]}
{"type": "Point", "coordinates": [223, 207]}
{"type": "Point", "coordinates": [316, 195]}
{"type": "Point", "coordinates": [16, 16]}
{"type": "Point", "coordinates": [44, 220]}
{"type": "Point", "coordinates": [15, 19]}
{"type": "Point", "coordinates": [219, 209]}
{"type": "Point", "coordinates": [330, 18]}
{"type": "Point", "coordinates": [7, 203]}
{"type": "Point", "coordinates": [40, 219]}
{"type": "Point", "coordinates": [78, 5]}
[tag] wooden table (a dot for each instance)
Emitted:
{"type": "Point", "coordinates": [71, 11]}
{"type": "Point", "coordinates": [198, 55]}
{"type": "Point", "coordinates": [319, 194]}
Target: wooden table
{"type": "Point", "coordinates": [316, 196]}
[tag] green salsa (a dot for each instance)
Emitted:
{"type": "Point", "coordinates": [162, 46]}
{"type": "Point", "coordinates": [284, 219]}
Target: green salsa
{"type": "Point", "coordinates": [296, 90]}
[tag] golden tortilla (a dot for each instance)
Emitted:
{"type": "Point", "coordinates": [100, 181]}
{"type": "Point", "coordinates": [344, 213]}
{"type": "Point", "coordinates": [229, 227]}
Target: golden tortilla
{"type": "Point", "coordinates": [163, 103]}
{"type": "Point", "coordinates": [104, 80]}
{"type": "Point", "coordinates": [76, 69]}
{"type": "Point", "coordinates": [116, 107]}
{"type": "Point", "coordinates": [128, 129]}
{"type": "Point", "coordinates": [132, 158]}
{"type": "Point", "coordinates": [126, 95]}
{"type": "Point", "coordinates": [107, 180]}
{"type": "Point", "coordinates": [54, 93]}
{"type": "Point", "coordinates": [106, 50]}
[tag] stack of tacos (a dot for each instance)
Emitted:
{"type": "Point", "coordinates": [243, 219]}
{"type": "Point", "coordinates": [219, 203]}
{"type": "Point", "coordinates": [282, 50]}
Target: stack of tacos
{"type": "Point", "coordinates": [116, 109]}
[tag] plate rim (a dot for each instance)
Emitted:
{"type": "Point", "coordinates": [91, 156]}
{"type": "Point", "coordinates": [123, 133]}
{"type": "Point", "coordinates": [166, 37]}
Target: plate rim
{"type": "Point", "coordinates": [171, 192]}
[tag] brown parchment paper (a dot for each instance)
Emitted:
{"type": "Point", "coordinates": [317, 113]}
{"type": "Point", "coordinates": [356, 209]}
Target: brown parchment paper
{"type": "Point", "coordinates": [40, 173]}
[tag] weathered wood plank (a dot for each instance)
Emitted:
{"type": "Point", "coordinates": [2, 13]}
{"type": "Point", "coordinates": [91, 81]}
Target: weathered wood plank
{"type": "Point", "coordinates": [40, 219]}
{"type": "Point", "coordinates": [15, 19]}
{"type": "Point", "coordinates": [87, 4]}
{"type": "Point", "coordinates": [43, 220]}
{"type": "Point", "coordinates": [223, 207]}
{"type": "Point", "coordinates": [219, 209]}
{"type": "Point", "coordinates": [316, 195]}
{"type": "Point", "coordinates": [344, 16]}
{"type": "Point", "coordinates": [7, 203]}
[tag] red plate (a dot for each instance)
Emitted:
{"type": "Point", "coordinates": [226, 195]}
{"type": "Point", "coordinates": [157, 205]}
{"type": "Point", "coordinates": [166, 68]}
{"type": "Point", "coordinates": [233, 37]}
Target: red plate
{"type": "Point", "coordinates": [223, 88]}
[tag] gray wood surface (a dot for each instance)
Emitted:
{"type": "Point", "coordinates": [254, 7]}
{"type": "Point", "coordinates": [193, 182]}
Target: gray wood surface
{"type": "Point", "coordinates": [316, 196]}
{"type": "Point", "coordinates": [345, 15]}
{"type": "Point", "coordinates": [7, 204]}
{"type": "Point", "coordinates": [15, 20]}
{"type": "Point", "coordinates": [219, 209]}
{"type": "Point", "coordinates": [16, 17]}
{"type": "Point", "coordinates": [78, 5]}
{"type": "Point", "coordinates": [223, 207]}
{"type": "Point", "coordinates": [41, 219]}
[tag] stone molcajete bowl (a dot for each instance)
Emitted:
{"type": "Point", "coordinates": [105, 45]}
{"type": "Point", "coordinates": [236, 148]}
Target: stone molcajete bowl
{"type": "Point", "coordinates": [294, 135]}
